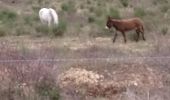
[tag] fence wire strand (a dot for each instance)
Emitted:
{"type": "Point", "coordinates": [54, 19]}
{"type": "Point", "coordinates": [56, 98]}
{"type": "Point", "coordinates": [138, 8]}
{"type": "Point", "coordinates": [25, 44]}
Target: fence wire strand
{"type": "Point", "coordinates": [84, 59]}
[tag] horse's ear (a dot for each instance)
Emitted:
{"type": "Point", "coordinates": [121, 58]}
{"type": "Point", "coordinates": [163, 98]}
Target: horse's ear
{"type": "Point", "coordinates": [108, 17]}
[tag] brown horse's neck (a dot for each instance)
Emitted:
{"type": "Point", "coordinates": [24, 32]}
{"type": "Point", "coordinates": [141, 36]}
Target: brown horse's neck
{"type": "Point", "coordinates": [115, 23]}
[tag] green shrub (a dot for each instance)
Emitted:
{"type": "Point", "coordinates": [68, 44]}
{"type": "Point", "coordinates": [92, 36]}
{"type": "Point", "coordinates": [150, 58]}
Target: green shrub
{"type": "Point", "coordinates": [139, 12]}
{"type": "Point", "coordinates": [91, 19]}
{"type": "Point", "coordinates": [124, 2]}
{"type": "Point", "coordinates": [31, 19]}
{"type": "Point", "coordinates": [48, 89]}
{"type": "Point", "coordinates": [7, 16]}
{"type": "Point", "coordinates": [60, 29]}
{"type": "Point", "coordinates": [68, 7]}
{"type": "Point", "coordinates": [114, 13]}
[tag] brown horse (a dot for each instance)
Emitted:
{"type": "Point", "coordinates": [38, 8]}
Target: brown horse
{"type": "Point", "coordinates": [124, 25]}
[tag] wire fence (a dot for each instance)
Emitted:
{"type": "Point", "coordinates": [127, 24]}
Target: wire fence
{"type": "Point", "coordinates": [85, 59]}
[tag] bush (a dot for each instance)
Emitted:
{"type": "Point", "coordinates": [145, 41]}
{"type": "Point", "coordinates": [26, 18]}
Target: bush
{"type": "Point", "coordinates": [69, 6]}
{"type": "Point", "coordinates": [30, 19]}
{"type": "Point", "coordinates": [48, 90]}
{"type": "Point", "coordinates": [124, 2]}
{"type": "Point", "coordinates": [139, 12]}
{"type": "Point", "coordinates": [60, 29]}
{"type": "Point", "coordinates": [7, 16]}
{"type": "Point", "coordinates": [46, 87]}
{"type": "Point", "coordinates": [91, 19]}
{"type": "Point", "coordinates": [114, 13]}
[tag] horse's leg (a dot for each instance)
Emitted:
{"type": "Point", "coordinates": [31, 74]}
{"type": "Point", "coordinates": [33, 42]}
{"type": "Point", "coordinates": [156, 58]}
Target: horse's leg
{"type": "Point", "coordinates": [115, 36]}
{"type": "Point", "coordinates": [138, 34]}
{"type": "Point", "coordinates": [142, 32]}
{"type": "Point", "coordinates": [124, 36]}
{"type": "Point", "coordinates": [143, 36]}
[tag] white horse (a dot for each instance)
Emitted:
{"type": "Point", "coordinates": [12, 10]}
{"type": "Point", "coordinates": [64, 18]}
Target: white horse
{"type": "Point", "coordinates": [48, 16]}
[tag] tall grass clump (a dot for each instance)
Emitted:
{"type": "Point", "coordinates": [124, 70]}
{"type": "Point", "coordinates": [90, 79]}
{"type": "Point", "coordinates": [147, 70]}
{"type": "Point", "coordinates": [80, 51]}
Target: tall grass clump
{"type": "Point", "coordinates": [139, 12]}
{"type": "Point", "coordinates": [47, 89]}
{"type": "Point", "coordinates": [124, 2]}
{"type": "Point", "coordinates": [68, 6]}
{"type": "Point", "coordinates": [8, 16]}
{"type": "Point", "coordinates": [60, 29]}
{"type": "Point", "coordinates": [8, 19]}
{"type": "Point", "coordinates": [91, 19]}
{"type": "Point", "coordinates": [114, 13]}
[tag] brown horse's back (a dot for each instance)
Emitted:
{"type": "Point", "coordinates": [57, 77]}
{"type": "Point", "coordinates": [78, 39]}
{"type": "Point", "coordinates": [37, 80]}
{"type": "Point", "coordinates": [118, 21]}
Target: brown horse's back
{"type": "Point", "coordinates": [130, 24]}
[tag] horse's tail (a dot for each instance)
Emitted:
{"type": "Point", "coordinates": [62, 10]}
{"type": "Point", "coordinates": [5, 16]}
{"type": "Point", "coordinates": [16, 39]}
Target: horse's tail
{"type": "Point", "coordinates": [54, 16]}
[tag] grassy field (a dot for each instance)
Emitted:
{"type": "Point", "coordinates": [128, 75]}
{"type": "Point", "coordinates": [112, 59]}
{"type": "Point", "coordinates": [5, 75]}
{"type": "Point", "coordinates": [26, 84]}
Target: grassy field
{"type": "Point", "coordinates": [77, 60]}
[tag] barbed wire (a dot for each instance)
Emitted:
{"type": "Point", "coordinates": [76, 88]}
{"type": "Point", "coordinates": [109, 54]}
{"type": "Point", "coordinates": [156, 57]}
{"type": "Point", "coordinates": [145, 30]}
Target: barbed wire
{"type": "Point", "coordinates": [83, 59]}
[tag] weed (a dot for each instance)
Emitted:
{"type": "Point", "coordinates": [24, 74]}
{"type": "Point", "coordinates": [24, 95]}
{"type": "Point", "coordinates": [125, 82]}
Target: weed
{"type": "Point", "coordinates": [60, 29]}
{"type": "Point", "coordinates": [68, 7]}
{"type": "Point", "coordinates": [164, 30]}
{"type": "Point", "coordinates": [7, 16]}
{"type": "Point", "coordinates": [124, 2]}
{"type": "Point", "coordinates": [91, 19]}
{"type": "Point", "coordinates": [114, 13]}
{"type": "Point", "coordinates": [139, 12]}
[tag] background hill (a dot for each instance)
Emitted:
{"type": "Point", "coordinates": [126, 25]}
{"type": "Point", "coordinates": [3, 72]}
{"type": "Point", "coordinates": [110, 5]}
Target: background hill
{"type": "Point", "coordinates": [81, 18]}
{"type": "Point", "coordinates": [77, 60]}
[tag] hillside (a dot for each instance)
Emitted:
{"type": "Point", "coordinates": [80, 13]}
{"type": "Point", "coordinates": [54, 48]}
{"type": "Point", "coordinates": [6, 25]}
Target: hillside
{"type": "Point", "coordinates": [82, 18]}
{"type": "Point", "coordinates": [77, 60]}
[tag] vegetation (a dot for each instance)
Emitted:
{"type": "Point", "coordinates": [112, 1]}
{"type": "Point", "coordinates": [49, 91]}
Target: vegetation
{"type": "Point", "coordinates": [139, 12]}
{"type": "Point", "coordinates": [73, 13]}
{"type": "Point", "coordinates": [68, 6]}
{"type": "Point", "coordinates": [124, 2]}
{"type": "Point", "coordinates": [114, 13]}
{"type": "Point", "coordinates": [30, 66]}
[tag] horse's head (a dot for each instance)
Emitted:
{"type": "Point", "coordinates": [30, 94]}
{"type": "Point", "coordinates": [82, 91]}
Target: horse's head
{"type": "Point", "coordinates": [108, 23]}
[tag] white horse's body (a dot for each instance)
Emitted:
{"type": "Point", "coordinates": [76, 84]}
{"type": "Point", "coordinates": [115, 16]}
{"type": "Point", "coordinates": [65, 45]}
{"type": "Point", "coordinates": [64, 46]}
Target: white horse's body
{"type": "Point", "coordinates": [48, 16]}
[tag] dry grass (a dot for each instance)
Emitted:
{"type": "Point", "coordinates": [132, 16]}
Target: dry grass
{"type": "Point", "coordinates": [125, 75]}
{"type": "Point", "coordinates": [120, 77]}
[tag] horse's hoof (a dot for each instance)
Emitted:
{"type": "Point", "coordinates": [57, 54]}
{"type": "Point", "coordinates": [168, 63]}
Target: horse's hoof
{"type": "Point", "coordinates": [113, 41]}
